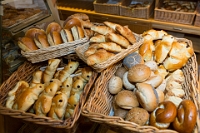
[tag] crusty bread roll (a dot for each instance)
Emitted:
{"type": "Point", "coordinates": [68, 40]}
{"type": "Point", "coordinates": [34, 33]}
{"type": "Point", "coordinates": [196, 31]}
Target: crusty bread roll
{"type": "Point", "coordinates": [126, 32]}
{"type": "Point", "coordinates": [186, 117]}
{"type": "Point", "coordinates": [126, 83]}
{"type": "Point", "coordinates": [117, 38]}
{"type": "Point", "coordinates": [119, 111]}
{"type": "Point", "coordinates": [111, 24]}
{"type": "Point", "coordinates": [54, 38]}
{"type": "Point", "coordinates": [162, 86]}
{"type": "Point", "coordinates": [156, 34]}
{"type": "Point", "coordinates": [32, 32]}
{"type": "Point", "coordinates": [51, 27]}
{"type": "Point", "coordinates": [27, 44]}
{"type": "Point", "coordinates": [147, 96]}
{"type": "Point", "coordinates": [50, 70]}
{"type": "Point", "coordinates": [28, 97]}
{"type": "Point", "coordinates": [161, 70]}
{"type": "Point", "coordinates": [161, 95]}
{"type": "Point", "coordinates": [155, 81]}
{"type": "Point", "coordinates": [58, 106]}
{"type": "Point", "coordinates": [178, 56]}
{"type": "Point", "coordinates": [115, 85]}
{"type": "Point", "coordinates": [12, 94]}
{"type": "Point", "coordinates": [132, 59]}
{"type": "Point", "coordinates": [163, 48]}
{"type": "Point", "coordinates": [147, 48]}
{"type": "Point", "coordinates": [43, 105]}
{"type": "Point", "coordinates": [99, 56]}
{"type": "Point", "coordinates": [36, 78]}
{"type": "Point", "coordinates": [66, 35]}
{"type": "Point", "coordinates": [102, 29]}
{"type": "Point", "coordinates": [163, 115]}
{"type": "Point", "coordinates": [152, 65]}
{"type": "Point", "coordinates": [68, 70]}
{"type": "Point", "coordinates": [41, 41]}
{"type": "Point", "coordinates": [98, 38]}
{"type": "Point", "coordinates": [174, 99]}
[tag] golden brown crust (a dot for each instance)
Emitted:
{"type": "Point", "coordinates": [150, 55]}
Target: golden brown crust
{"type": "Point", "coordinates": [32, 32]}
{"type": "Point", "coordinates": [53, 26]}
{"type": "Point", "coordinates": [27, 44]}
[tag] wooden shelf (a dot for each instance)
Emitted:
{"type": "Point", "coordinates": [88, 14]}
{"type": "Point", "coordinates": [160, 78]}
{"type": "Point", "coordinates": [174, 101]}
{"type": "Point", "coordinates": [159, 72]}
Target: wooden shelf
{"type": "Point", "coordinates": [181, 28]}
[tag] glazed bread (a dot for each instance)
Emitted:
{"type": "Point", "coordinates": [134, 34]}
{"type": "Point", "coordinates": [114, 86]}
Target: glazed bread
{"type": "Point", "coordinates": [27, 44]}
{"type": "Point", "coordinates": [41, 41]}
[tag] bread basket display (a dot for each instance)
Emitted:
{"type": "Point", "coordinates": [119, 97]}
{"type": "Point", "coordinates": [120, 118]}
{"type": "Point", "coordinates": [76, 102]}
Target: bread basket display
{"type": "Point", "coordinates": [120, 98]}
{"type": "Point", "coordinates": [110, 44]}
{"type": "Point", "coordinates": [52, 40]}
{"type": "Point", "coordinates": [50, 95]}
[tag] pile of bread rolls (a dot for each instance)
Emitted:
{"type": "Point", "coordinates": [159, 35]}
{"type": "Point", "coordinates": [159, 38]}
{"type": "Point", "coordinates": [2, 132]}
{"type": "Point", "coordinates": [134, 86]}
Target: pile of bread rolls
{"type": "Point", "coordinates": [149, 92]}
{"type": "Point", "coordinates": [52, 92]}
{"type": "Point", "coordinates": [53, 34]}
{"type": "Point", "coordinates": [108, 40]}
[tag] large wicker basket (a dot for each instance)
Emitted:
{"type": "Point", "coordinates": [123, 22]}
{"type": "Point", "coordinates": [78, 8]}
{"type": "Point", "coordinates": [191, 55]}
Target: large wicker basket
{"type": "Point", "coordinates": [140, 12]}
{"type": "Point", "coordinates": [197, 19]}
{"type": "Point", "coordinates": [173, 16]}
{"type": "Point", "coordinates": [53, 51]}
{"type": "Point", "coordinates": [103, 6]}
{"type": "Point", "coordinates": [25, 72]}
{"type": "Point", "coordinates": [80, 50]}
{"type": "Point", "coordinates": [99, 105]}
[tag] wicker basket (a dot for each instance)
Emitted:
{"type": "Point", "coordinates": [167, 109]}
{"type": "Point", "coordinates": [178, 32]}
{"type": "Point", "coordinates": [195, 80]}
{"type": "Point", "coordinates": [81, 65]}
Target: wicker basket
{"type": "Point", "coordinates": [98, 107]}
{"type": "Point", "coordinates": [173, 16]}
{"type": "Point", "coordinates": [197, 19]}
{"type": "Point", "coordinates": [80, 50]}
{"type": "Point", "coordinates": [140, 12]}
{"type": "Point", "coordinates": [25, 72]}
{"type": "Point", "coordinates": [107, 6]}
{"type": "Point", "coordinates": [53, 51]}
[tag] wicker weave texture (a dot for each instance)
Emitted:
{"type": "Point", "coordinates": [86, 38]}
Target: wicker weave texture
{"type": "Point", "coordinates": [104, 7]}
{"type": "Point", "coordinates": [142, 12]}
{"type": "Point", "coordinates": [80, 50]}
{"type": "Point", "coordinates": [197, 19]}
{"type": "Point", "coordinates": [98, 106]}
{"type": "Point", "coordinates": [25, 72]}
{"type": "Point", "coordinates": [173, 16]}
{"type": "Point", "coordinates": [53, 51]}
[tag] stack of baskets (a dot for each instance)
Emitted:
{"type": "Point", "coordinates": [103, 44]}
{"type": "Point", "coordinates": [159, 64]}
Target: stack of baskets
{"type": "Point", "coordinates": [197, 19]}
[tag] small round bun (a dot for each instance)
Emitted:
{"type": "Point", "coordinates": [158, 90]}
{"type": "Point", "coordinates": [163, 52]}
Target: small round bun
{"type": "Point", "coordinates": [119, 111]}
{"type": "Point", "coordinates": [163, 115]}
{"type": "Point", "coordinates": [186, 117]}
{"type": "Point", "coordinates": [147, 96]}
{"type": "Point", "coordinates": [137, 115]}
{"type": "Point", "coordinates": [139, 73]}
{"type": "Point", "coordinates": [120, 72]}
{"type": "Point", "coordinates": [115, 85]}
{"type": "Point", "coordinates": [53, 26]}
{"type": "Point", "coordinates": [132, 59]}
{"type": "Point", "coordinates": [126, 99]}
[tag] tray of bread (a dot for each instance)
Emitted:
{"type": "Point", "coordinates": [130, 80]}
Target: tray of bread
{"type": "Point", "coordinates": [52, 40]}
{"type": "Point", "coordinates": [153, 89]}
{"type": "Point", "coordinates": [50, 93]}
{"type": "Point", "coordinates": [110, 43]}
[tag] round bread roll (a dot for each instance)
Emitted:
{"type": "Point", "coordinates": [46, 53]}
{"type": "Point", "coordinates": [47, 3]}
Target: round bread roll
{"type": "Point", "coordinates": [27, 44]}
{"type": "Point", "coordinates": [137, 115]}
{"type": "Point", "coordinates": [147, 96]}
{"type": "Point", "coordinates": [163, 115]}
{"type": "Point", "coordinates": [119, 111]}
{"type": "Point", "coordinates": [126, 99]}
{"type": "Point", "coordinates": [53, 26]}
{"type": "Point", "coordinates": [127, 84]}
{"type": "Point", "coordinates": [32, 32]}
{"type": "Point", "coordinates": [120, 72]}
{"type": "Point", "coordinates": [115, 85]}
{"type": "Point", "coordinates": [71, 22]}
{"type": "Point", "coordinates": [155, 81]}
{"type": "Point", "coordinates": [132, 59]}
{"type": "Point", "coordinates": [161, 95]}
{"type": "Point", "coordinates": [186, 118]}
{"type": "Point", "coordinates": [139, 73]}
{"type": "Point", "coordinates": [152, 65]}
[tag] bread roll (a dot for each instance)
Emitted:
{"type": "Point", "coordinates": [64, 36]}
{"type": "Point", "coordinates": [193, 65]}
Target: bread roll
{"type": "Point", "coordinates": [68, 70]}
{"type": "Point", "coordinates": [41, 41]}
{"type": "Point", "coordinates": [28, 97]}
{"type": "Point", "coordinates": [155, 34]}
{"type": "Point", "coordinates": [154, 81]}
{"type": "Point", "coordinates": [43, 105]}
{"type": "Point", "coordinates": [87, 24]}
{"type": "Point", "coordinates": [54, 38]}
{"type": "Point", "coordinates": [32, 32]}
{"type": "Point", "coordinates": [89, 33]}
{"type": "Point", "coordinates": [139, 73]}
{"type": "Point", "coordinates": [115, 85]}
{"type": "Point", "coordinates": [178, 56]}
{"type": "Point", "coordinates": [161, 71]}
{"type": "Point", "coordinates": [161, 95]}
{"type": "Point", "coordinates": [111, 24]}
{"type": "Point", "coordinates": [52, 27]}
{"type": "Point", "coordinates": [152, 65]}
{"type": "Point", "coordinates": [101, 29]}
{"type": "Point", "coordinates": [174, 99]}
{"type": "Point", "coordinates": [98, 38]}
{"type": "Point", "coordinates": [99, 56]}
{"type": "Point", "coordinates": [110, 47]}
{"type": "Point", "coordinates": [120, 72]}
{"type": "Point", "coordinates": [186, 117]}
{"type": "Point", "coordinates": [85, 75]}
{"type": "Point", "coordinates": [50, 70]}
{"type": "Point", "coordinates": [163, 48]}
{"type": "Point", "coordinates": [66, 35]}
{"type": "Point", "coordinates": [36, 78]}
{"type": "Point", "coordinates": [127, 33]}
{"type": "Point", "coordinates": [126, 83]}
{"type": "Point", "coordinates": [119, 111]}
{"type": "Point", "coordinates": [27, 44]}
{"type": "Point", "coordinates": [147, 96]}
{"type": "Point", "coordinates": [67, 86]}
{"type": "Point", "coordinates": [81, 16]}
{"type": "Point", "coordinates": [132, 59]}
{"type": "Point", "coordinates": [12, 94]}
{"type": "Point", "coordinates": [147, 48]}
{"type": "Point", "coordinates": [162, 86]}
{"type": "Point", "coordinates": [122, 41]}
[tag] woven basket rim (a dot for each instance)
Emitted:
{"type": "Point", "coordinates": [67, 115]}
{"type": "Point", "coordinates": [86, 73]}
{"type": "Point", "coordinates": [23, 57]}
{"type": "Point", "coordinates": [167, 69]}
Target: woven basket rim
{"type": "Point", "coordinates": [180, 12]}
